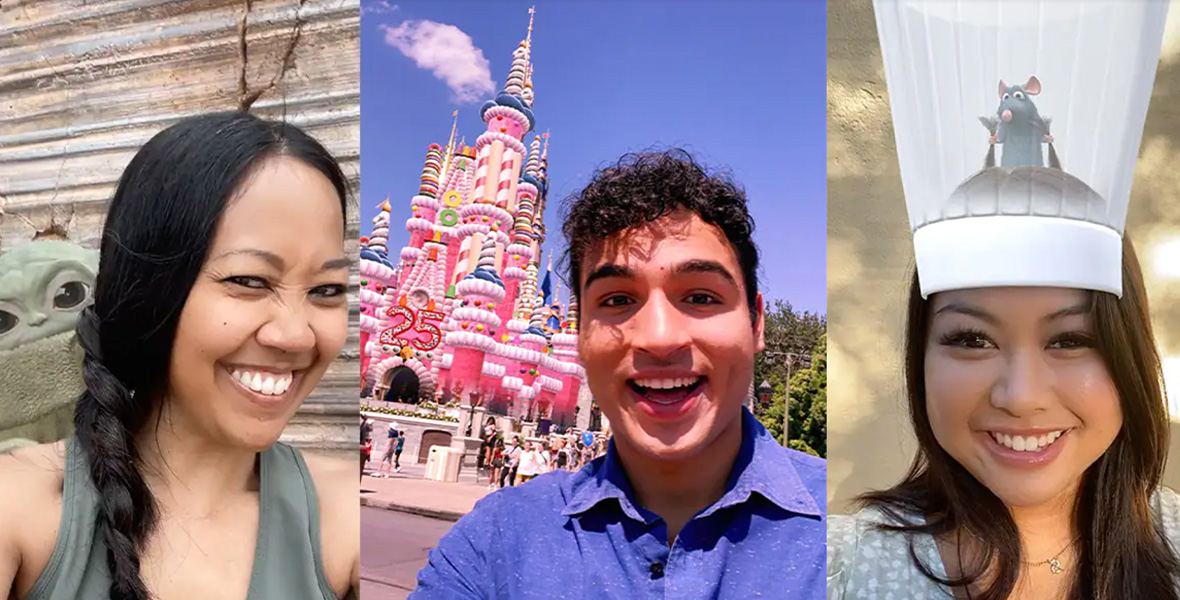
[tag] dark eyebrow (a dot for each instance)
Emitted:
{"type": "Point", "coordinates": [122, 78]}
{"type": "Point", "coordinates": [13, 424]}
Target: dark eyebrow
{"type": "Point", "coordinates": [337, 263]}
{"type": "Point", "coordinates": [704, 266]}
{"type": "Point", "coordinates": [277, 261]}
{"type": "Point", "coordinates": [970, 311]}
{"type": "Point", "coordinates": [608, 270]}
{"type": "Point", "coordinates": [1069, 311]}
{"type": "Point", "coordinates": [979, 313]}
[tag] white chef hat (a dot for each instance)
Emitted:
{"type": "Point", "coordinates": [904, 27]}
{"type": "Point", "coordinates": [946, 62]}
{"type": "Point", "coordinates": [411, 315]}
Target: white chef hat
{"type": "Point", "coordinates": [1078, 74]}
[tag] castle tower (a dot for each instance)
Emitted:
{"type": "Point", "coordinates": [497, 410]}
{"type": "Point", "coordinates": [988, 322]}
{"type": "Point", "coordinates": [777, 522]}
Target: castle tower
{"type": "Point", "coordinates": [422, 208]}
{"type": "Point", "coordinates": [469, 274]}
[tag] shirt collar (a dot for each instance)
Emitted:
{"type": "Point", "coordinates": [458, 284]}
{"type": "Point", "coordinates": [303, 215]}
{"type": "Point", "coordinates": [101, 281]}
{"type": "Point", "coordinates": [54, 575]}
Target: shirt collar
{"type": "Point", "coordinates": [603, 480]}
{"type": "Point", "coordinates": [766, 468]}
{"type": "Point", "coordinates": [762, 466]}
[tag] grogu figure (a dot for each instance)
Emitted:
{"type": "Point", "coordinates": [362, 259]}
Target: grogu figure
{"type": "Point", "coordinates": [44, 285]}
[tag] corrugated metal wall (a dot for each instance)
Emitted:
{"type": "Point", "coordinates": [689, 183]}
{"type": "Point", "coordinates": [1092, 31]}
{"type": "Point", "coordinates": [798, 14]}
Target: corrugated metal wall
{"type": "Point", "coordinates": [84, 83]}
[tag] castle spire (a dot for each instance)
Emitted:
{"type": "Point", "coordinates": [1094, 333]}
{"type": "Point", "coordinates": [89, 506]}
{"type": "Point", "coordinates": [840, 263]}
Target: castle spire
{"type": "Point", "coordinates": [518, 75]}
{"type": "Point", "coordinates": [534, 162]}
{"type": "Point", "coordinates": [450, 151]}
{"type": "Point", "coordinates": [528, 40]}
{"type": "Point", "coordinates": [527, 92]}
{"type": "Point", "coordinates": [487, 253]}
{"type": "Point", "coordinates": [556, 291]}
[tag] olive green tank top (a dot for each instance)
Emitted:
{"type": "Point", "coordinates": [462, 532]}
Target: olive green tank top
{"type": "Point", "coordinates": [287, 562]}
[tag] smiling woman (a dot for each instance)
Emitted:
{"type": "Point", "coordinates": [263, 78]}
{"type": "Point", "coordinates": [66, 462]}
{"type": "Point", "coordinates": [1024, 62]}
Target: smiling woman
{"type": "Point", "coordinates": [1032, 379]}
{"type": "Point", "coordinates": [218, 305]}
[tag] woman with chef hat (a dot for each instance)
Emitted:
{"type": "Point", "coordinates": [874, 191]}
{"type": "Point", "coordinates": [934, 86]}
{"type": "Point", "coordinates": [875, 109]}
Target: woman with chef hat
{"type": "Point", "coordinates": [1033, 380]}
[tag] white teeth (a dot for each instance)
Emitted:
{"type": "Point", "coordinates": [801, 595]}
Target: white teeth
{"type": "Point", "coordinates": [1026, 444]}
{"type": "Point", "coordinates": [666, 384]}
{"type": "Point", "coordinates": [268, 384]}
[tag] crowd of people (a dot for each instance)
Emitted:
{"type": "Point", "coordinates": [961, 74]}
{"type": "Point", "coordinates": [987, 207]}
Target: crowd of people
{"type": "Point", "coordinates": [508, 462]}
{"type": "Point", "coordinates": [503, 456]}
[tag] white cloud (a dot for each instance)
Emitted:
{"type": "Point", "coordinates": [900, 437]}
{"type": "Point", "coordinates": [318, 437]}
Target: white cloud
{"type": "Point", "coordinates": [377, 7]}
{"type": "Point", "coordinates": [448, 53]}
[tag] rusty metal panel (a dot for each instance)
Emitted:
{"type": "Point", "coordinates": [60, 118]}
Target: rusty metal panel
{"type": "Point", "coordinates": [84, 83]}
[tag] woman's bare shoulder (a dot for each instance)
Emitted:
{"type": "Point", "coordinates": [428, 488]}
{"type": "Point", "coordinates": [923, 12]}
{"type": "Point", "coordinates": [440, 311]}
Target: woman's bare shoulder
{"type": "Point", "coordinates": [337, 484]}
{"type": "Point", "coordinates": [335, 479]}
{"type": "Point", "coordinates": [31, 476]}
{"type": "Point", "coordinates": [30, 500]}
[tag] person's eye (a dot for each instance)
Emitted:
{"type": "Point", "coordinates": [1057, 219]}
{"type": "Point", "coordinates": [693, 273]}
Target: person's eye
{"type": "Point", "coordinates": [616, 300]}
{"type": "Point", "coordinates": [702, 298]}
{"type": "Point", "coordinates": [329, 291]}
{"type": "Point", "coordinates": [247, 281]}
{"type": "Point", "coordinates": [967, 338]}
{"type": "Point", "coordinates": [1074, 340]}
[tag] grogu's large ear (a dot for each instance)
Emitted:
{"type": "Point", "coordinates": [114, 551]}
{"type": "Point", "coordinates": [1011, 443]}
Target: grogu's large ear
{"type": "Point", "coordinates": [1033, 87]}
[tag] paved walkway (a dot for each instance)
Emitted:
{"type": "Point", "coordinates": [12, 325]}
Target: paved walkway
{"type": "Point", "coordinates": [408, 491]}
{"type": "Point", "coordinates": [395, 546]}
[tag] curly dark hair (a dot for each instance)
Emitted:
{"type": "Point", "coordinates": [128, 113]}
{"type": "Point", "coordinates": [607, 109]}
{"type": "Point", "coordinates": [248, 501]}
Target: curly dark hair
{"type": "Point", "coordinates": [641, 188]}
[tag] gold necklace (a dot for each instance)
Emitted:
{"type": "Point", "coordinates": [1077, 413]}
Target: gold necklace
{"type": "Point", "coordinates": [1054, 562]}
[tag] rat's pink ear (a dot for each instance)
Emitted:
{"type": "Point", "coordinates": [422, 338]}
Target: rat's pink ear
{"type": "Point", "coordinates": [1033, 87]}
{"type": "Point", "coordinates": [1003, 88]}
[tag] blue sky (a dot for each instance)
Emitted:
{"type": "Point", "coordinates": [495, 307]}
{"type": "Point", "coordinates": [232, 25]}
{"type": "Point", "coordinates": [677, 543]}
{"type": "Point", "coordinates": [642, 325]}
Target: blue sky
{"type": "Point", "coordinates": [740, 85]}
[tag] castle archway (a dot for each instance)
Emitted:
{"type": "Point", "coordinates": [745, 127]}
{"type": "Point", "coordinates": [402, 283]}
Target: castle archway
{"type": "Point", "coordinates": [402, 385]}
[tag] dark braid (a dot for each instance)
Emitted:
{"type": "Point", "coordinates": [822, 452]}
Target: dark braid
{"type": "Point", "coordinates": [127, 510]}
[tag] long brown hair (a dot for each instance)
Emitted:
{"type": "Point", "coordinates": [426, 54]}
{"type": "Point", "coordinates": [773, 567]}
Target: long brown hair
{"type": "Point", "coordinates": [1122, 552]}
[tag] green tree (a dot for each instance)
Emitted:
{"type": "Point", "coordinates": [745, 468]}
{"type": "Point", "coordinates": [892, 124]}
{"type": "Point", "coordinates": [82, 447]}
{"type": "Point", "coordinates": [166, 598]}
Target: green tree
{"type": "Point", "coordinates": [809, 404]}
{"type": "Point", "coordinates": [786, 331]}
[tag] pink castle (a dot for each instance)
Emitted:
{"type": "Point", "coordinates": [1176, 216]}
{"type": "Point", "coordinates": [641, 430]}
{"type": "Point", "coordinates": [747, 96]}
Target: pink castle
{"type": "Point", "coordinates": [462, 314]}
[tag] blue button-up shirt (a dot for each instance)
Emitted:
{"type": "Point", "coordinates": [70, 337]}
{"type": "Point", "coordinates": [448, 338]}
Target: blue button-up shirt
{"type": "Point", "coordinates": [584, 535]}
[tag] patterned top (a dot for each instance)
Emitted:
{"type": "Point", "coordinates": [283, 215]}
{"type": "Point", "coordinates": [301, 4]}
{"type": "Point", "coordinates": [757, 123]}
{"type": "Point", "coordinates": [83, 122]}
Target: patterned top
{"type": "Point", "coordinates": [867, 564]}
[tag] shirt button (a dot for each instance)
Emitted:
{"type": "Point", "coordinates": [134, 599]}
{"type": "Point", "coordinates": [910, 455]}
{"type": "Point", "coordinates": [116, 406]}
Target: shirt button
{"type": "Point", "coordinates": [657, 570]}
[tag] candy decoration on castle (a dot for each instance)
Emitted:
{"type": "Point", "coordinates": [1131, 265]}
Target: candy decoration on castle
{"type": "Point", "coordinates": [463, 309]}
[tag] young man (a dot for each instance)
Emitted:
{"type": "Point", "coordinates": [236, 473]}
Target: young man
{"type": "Point", "coordinates": [693, 498]}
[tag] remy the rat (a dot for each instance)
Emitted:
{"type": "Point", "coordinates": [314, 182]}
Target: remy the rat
{"type": "Point", "coordinates": [1019, 126]}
